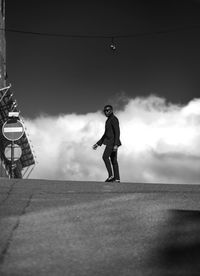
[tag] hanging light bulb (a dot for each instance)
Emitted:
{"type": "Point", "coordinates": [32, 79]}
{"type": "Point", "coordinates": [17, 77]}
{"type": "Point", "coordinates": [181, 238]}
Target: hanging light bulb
{"type": "Point", "coordinates": [113, 46]}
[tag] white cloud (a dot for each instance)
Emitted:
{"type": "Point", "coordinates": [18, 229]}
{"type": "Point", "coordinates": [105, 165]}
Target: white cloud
{"type": "Point", "coordinates": [160, 143]}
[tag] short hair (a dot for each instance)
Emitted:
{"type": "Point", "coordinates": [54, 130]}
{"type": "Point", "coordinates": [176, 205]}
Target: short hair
{"type": "Point", "coordinates": [108, 106]}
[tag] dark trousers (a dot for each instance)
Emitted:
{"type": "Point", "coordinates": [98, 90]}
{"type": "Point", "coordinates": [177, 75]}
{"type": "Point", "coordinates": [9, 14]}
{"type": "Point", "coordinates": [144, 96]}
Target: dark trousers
{"type": "Point", "coordinates": [110, 159]}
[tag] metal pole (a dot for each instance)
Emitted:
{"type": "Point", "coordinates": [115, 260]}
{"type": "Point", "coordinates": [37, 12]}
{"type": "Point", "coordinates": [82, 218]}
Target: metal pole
{"type": "Point", "coordinates": [30, 171]}
{"type": "Point", "coordinates": [2, 89]}
{"type": "Point", "coordinates": [12, 159]}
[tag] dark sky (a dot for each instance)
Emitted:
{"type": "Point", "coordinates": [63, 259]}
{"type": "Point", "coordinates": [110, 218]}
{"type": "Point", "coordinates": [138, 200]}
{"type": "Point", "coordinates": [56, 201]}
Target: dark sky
{"type": "Point", "coordinates": [53, 75]}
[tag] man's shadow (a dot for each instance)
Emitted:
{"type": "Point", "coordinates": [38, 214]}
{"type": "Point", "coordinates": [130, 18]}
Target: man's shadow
{"type": "Point", "coordinates": [178, 250]}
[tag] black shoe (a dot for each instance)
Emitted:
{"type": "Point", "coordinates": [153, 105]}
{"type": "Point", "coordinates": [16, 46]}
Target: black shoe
{"type": "Point", "coordinates": [116, 180]}
{"type": "Point", "coordinates": [110, 179]}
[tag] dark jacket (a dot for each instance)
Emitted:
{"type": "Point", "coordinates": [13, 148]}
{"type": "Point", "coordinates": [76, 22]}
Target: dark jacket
{"type": "Point", "coordinates": [111, 135]}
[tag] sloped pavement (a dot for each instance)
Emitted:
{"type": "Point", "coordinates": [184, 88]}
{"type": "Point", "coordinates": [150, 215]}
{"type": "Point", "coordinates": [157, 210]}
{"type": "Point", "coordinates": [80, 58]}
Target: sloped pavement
{"type": "Point", "coordinates": [94, 228]}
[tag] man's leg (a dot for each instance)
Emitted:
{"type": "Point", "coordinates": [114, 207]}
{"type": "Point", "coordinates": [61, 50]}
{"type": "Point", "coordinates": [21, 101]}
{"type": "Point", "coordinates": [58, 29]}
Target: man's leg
{"type": "Point", "coordinates": [114, 161]}
{"type": "Point", "coordinates": [106, 158]}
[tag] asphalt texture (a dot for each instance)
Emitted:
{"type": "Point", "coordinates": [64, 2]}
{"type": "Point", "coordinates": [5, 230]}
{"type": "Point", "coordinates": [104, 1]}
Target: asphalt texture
{"type": "Point", "coordinates": [102, 229]}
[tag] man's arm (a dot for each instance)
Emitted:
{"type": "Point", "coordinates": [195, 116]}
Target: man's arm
{"type": "Point", "coordinates": [99, 143]}
{"type": "Point", "coordinates": [115, 124]}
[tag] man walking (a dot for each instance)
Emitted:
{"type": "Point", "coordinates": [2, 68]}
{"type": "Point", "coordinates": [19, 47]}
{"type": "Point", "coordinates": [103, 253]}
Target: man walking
{"type": "Point", "coordinates": [110, 138]}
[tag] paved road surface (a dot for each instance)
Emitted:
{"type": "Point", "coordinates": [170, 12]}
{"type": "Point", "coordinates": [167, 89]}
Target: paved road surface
{"type": "Point", "coordinates": [98, 229]}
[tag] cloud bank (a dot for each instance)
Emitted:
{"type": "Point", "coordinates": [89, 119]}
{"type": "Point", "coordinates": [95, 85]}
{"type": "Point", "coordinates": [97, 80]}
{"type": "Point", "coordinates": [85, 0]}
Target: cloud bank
{"type": "Point", "coordinates": [160, 143]}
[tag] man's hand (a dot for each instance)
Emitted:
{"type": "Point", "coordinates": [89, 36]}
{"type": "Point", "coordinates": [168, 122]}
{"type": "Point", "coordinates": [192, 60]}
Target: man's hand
{"type": "Point", "coordinates": [115, 148]}
{"type": "Point", "coordinates": [95, 146]}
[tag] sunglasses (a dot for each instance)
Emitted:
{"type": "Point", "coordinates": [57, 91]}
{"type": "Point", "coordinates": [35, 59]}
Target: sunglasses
{"type": "Point", "coordinates": [107, 110]}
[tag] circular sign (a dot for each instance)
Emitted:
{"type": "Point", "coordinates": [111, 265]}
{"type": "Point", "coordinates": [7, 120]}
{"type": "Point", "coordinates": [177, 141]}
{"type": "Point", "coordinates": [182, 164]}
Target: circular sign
{"type": "Point", "coordinates": [13, 130]}
{"type": "Point", "coordinates": [17, 152]}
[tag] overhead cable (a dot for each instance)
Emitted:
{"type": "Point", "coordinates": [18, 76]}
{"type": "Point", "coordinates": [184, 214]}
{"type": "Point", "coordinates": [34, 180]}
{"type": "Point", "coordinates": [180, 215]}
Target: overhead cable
{"type": "Point", "coordinates": [139, 34]}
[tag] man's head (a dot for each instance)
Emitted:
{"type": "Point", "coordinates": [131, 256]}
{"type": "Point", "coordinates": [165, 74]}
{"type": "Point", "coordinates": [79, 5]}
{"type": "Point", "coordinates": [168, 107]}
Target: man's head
{"type": "Point", "coordinates": [108, 110]}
